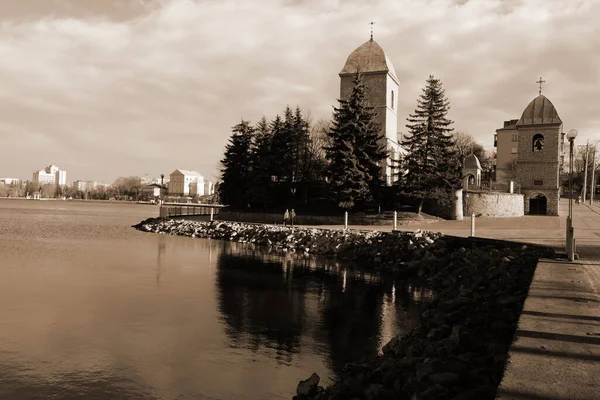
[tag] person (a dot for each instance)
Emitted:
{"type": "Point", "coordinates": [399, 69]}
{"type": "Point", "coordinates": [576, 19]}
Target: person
{"type": "Point", "coordinates": [292, 216]}
{"type": "Point", "coordinates": [286, 217]}
{"type": "Point", "coordinates": [579, 199]}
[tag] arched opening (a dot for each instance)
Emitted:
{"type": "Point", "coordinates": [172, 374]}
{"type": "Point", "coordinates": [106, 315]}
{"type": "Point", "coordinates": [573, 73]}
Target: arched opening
{"type": "Point", "coordinates": [392, 96]}
{"type": "Point", "coordinates": [537, 144]}
{"type": "Point", "coordinates": [538, 205]}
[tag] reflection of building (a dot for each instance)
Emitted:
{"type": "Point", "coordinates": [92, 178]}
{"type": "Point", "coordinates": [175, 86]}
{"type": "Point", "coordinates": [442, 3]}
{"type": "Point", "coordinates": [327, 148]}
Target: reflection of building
{"type": "Point", "coordinates": [186, 183]}
{"type": "Point", "coordinates": [51, 175]}
{"type": "Point", "coordinates": [531, 152]}
{"type": "Point", "coordinates": [381, 84]}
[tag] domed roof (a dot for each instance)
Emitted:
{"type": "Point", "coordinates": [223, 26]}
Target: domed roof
{"type": "Point", "coordinates": [369, 57]}
{"type": "Point", "coordinates": [539, 112]}
{"type": "Point", "coordinates": [472, 162]}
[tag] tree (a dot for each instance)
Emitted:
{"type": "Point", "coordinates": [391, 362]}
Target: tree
{"type": "Point", "coordinates": [236, 166]}
{"type": "Point", "coordinates": [261, 184]}
{"type": "Point", "coordinates": [356, 150]}
{"type": "Point", "coordinates": [432, 167]}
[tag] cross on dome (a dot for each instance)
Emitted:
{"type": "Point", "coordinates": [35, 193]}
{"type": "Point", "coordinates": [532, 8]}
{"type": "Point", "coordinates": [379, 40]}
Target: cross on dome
{"type": "Point", "coordinates": [540, 82]}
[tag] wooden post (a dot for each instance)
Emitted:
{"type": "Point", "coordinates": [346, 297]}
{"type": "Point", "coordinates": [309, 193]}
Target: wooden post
{"type": "Point", "coordinates": [211, 213]}
{"type": "Point", "coordinates": [345, 219]}
{"type": "Point", "coordinates": [473, 224]}
{"type": "Point", "coordinates": [395, 220]}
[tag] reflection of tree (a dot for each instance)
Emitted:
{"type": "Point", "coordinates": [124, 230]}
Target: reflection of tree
{"type": "Point", "coordinates": [255, 301]}
{"type": "Point", "coordinates": [270, 300]}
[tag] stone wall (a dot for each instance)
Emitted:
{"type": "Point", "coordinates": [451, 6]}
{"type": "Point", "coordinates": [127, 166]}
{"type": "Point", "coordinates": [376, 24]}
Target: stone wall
{"type": "Point", "coordinates": [493, 204]}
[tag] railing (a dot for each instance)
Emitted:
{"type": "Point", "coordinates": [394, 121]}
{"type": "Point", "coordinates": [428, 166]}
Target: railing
{"type": "Point", "coordinates": [168, 210]}
{"type": "Point", "coordinates": [495, 187]}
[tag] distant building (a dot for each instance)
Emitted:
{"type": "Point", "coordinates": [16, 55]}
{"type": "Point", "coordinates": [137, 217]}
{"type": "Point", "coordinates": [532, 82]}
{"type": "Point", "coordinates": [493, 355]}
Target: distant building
{"type": "Point", "coordinates": [88, 185]}
{"type": "Point", "coordinates": [209, 188]}
{"type": "Point", "coordinates": [51, 175]}
{"type": "Point", "coordinates": [9, 181]}
{"type": "Point", "coordinates": [186, 183]}
{"type": "Point", "coordinates": [152, 190]}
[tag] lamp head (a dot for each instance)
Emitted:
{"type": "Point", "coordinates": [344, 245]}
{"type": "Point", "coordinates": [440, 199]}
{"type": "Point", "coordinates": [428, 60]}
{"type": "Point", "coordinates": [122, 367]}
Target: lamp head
{"type": "Point", "coordinates": [572, 134]}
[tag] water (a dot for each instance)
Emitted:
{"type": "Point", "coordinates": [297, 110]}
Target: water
{"type": "Point", "coordinates": [92, 309]}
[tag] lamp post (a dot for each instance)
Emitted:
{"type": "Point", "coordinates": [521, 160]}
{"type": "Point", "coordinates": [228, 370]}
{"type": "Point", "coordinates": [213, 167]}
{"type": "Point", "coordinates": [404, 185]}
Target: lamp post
{"type": "Point", "coordinates": [593, 180]}
{"type": "Point", "coordinates": [570, 245]}
{"type": "Point", "coordinates": [585, 169]}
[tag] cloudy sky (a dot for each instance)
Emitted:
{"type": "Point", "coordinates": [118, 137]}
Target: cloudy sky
{"type": "Point", "coordinates": [108, 88]}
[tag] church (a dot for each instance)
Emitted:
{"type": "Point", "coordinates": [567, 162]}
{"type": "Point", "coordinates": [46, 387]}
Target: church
{"type": "Point", "coordinates": [382, 86]}
{"type": "Point", "coordinates": [530, 153]}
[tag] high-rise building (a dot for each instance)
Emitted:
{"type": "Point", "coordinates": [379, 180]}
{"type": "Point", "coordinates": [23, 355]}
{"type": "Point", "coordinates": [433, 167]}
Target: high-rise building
{"type": "Point", "coordinates": [50, 175]}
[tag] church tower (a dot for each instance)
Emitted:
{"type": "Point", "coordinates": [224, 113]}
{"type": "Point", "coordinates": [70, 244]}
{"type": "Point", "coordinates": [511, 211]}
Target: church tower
{"type": "Point", "coordinates": [539, 156]}
{"type": "Point", "coordinates": [382, 87]}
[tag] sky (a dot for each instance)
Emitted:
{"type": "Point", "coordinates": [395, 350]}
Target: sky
{"type": "Point", "coordinates": [132, 87]}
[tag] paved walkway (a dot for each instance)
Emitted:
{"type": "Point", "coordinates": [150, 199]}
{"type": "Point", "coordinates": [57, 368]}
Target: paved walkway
{"type": "Point", "coordinates": [556, 351]}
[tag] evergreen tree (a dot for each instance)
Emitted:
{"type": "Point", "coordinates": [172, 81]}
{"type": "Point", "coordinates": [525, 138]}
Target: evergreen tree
{"type": "Point", "coordinates": [431, 167]}
{"type": "Point", "coordinates": [278, 148]}
{"type": "Point", "coordinates": [357, 148]}
{"type": "Point", "coordinates": [236, 166]}
{"type": "Point", "coordinates": [261, 184]}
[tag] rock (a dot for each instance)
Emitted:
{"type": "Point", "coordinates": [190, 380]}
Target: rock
{"type": "Point", "coordinates": [444, 378]}
{"type": "Point", "coordinates": [308, 387]}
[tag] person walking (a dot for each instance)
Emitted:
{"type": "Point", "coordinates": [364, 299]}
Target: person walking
{"type": "Point", "coordinates": [292, 216]}
{"type": "Point", "coordinates": [579, 199]}
{"type": "Point", "coordinates": [286, 217]}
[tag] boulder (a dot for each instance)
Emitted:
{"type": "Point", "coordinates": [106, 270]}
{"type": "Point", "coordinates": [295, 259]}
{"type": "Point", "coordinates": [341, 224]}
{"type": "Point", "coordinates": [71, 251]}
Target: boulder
{"type": "Point", "coordinates": [308, 387]}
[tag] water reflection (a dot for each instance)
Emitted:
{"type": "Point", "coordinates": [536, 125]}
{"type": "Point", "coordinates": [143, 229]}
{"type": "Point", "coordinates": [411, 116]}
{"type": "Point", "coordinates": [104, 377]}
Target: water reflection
{"type": "Point", "coordinates": [283, 302]}
{"type": "Point", "coordinates": [93, 309]}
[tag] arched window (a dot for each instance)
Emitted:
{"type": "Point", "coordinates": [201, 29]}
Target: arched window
{"type": "Point", "coordinates": [537, 143]}
{"type": "Point", "coordinates": [392, 95]}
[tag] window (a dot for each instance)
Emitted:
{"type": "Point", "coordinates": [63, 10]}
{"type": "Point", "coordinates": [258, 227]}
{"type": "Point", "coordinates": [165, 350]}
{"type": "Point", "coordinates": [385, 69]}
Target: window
{"type": "Point", "coordinates": [514, 150]}
{"type": "Point", "coordinates": [538, 182]}
{"type": "Point", "coordinates": [392, 96]}
{"type": "Point", "coordinates": [515, 138]}
{"type": "Point", "coordinates": [537, 143]}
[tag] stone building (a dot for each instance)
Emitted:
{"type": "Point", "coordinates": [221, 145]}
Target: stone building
{"type": "Point", "coordinates": [536, 151]}
{"type": "Point", "coordinates": [471, 171]}
{"type": "Point", "coordinates": [382, 86]}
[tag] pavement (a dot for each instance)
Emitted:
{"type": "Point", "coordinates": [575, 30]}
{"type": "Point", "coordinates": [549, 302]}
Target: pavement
{"type": "Point", "coordinates": [556, 351]}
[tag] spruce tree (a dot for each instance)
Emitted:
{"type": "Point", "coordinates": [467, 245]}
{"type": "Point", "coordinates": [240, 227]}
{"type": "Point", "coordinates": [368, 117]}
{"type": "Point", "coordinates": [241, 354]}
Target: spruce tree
{"type": "Point", "coordinates": [358, 139]}
{"type": "Point", "coordinates": [431, 168]}
{"type": "Point", "coordinates": [236, 166]}
{"type": "Point", "coordinates": [261, 184]}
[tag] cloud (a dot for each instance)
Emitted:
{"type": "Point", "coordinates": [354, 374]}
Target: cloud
{"type": "Point", "coordinates": [128, 87]}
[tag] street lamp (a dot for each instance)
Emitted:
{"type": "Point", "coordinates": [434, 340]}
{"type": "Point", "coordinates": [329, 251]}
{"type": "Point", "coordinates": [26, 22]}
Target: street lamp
{"type": "Point", "coordinates": [571, 135]}
{"type": "Point", "coordinates": [593, 182]}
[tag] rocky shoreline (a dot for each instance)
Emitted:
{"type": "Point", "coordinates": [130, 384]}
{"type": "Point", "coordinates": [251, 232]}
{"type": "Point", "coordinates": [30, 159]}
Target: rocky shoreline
{"type": "Point", "coordinates": [460, 349]}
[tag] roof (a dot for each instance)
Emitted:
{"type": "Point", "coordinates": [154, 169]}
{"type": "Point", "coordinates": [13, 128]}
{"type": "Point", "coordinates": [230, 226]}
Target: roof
{"type": "Point", "coordinates": [539, 112]}
{"type": "Point", "coordinates": [471, 162]}
{"type": "Point", "coordinates": [187, 172]}
{"type": "Point", "coordinates": [369, 57]}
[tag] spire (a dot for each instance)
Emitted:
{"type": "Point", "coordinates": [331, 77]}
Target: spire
{"type": "Point", "coordinates": [540, 82]}
{"type": "Point", "coordinates": [371, 23]}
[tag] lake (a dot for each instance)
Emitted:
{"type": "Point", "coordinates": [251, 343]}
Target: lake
{"type": "Point", "coordinates": [90, 308]}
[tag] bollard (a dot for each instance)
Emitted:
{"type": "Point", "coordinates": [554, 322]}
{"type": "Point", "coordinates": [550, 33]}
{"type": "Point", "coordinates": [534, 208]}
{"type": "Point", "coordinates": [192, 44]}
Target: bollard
{"type": "Point", "coordinates": [473, 224]}
{"type": "Point", "coordinates": [395, 220]}
{"type": "Point", "coordinates": [211, 214]}
{"type": "Point", "coordinates": [346, 220]}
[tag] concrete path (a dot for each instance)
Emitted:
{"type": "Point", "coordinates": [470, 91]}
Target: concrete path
{"type": "Point", "coordinates": [556, 351]}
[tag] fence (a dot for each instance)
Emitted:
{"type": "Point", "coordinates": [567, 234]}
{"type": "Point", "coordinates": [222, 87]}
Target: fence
{"type": "Point", "coordinates": [494, 187]}
{"type": "Point", "coordinates": [168, 210]}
